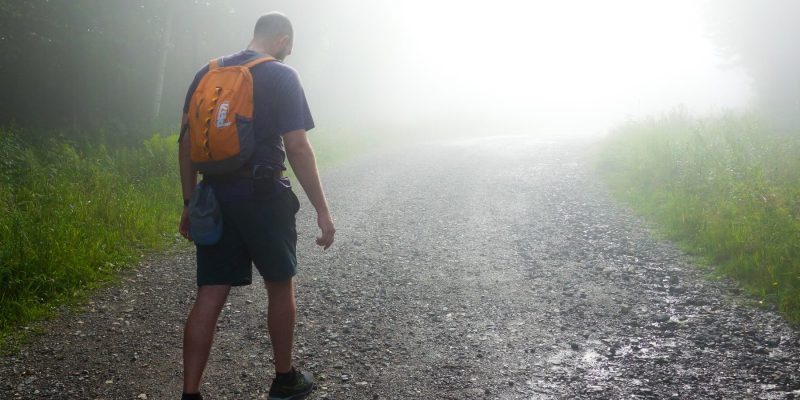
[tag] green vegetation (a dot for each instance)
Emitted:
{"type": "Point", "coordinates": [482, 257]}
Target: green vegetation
{"type": "Point", "coordinates": [726, 188]}
{"type": "Point", "coordinates": [73, 214]}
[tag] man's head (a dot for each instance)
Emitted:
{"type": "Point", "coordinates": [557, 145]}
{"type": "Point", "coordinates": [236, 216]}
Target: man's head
{"type": "Point", "coordinates": [274, 35]}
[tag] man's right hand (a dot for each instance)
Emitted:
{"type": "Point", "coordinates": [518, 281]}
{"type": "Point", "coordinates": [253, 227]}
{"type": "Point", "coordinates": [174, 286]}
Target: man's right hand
{"type": "Point", "coordinates": [325, 223]}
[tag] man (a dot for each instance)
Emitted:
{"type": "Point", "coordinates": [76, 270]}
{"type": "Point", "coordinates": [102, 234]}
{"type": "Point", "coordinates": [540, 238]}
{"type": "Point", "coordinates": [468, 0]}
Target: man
{"type": "Point", "coordinates": [258, 214]}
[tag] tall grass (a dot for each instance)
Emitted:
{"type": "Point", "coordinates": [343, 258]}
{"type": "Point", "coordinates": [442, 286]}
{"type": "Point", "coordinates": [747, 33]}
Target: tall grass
{"type": "Point", "coordinates": [70, 215]}
{"type": "Point", "coordinates": [726, 188]}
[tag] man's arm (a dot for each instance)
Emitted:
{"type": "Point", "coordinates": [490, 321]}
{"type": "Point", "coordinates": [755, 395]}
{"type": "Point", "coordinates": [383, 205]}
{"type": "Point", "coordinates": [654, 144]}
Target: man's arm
{"type": "Point", "coordinates": [304, 164]}
{"type": "Point", "coordinates": [188, 174]}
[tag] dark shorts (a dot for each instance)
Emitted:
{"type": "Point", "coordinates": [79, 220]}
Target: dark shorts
{"type": "Point", "coordinates": [254, 232]}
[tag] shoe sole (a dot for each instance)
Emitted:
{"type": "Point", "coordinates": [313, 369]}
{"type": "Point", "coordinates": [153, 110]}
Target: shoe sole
{"type": "Point", "coordinates": [298, 396]}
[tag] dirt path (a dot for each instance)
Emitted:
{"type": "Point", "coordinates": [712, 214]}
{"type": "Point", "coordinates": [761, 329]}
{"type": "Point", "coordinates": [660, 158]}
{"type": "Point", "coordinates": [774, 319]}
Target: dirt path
{"type": "Point", "coordinates": [485, 268]}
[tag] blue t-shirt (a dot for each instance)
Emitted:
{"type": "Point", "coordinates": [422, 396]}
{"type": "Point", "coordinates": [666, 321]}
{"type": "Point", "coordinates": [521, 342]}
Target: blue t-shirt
{"type": "Point", "coordinates": [279, 107]}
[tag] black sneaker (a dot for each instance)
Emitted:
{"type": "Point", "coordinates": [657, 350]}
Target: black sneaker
{"type": "Point", "coordinates": [300, 387]}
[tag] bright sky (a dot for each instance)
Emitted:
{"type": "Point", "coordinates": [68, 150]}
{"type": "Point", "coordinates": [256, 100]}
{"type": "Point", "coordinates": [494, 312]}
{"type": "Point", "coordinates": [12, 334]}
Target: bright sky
{"type": "Point", "coordinates": [568, 66]}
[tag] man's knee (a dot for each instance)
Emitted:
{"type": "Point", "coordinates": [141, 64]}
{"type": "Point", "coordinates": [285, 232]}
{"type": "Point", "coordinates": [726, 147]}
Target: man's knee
{"type": "Point", "coordinates": [281, 295]}
{"type": "Point", "coordinates": [212, 295]}
{"type": "Point", "coordinates": [280, 286]}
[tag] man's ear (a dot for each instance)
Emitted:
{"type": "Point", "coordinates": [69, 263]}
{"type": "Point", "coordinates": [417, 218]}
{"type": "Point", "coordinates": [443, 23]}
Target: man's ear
{"type": "Point", "coordinates": [285, 42]}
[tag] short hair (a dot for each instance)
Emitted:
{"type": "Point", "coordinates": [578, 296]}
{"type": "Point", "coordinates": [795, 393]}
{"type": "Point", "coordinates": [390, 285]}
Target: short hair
{"type": "Point", "coordinates": [272, 26]}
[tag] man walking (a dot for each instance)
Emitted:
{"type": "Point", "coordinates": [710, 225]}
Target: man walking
{"type": "Point", "coordinates": [258, 211]}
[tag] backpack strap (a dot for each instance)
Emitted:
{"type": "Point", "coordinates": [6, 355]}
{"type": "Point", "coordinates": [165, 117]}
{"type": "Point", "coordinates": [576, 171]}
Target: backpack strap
{"type": "Point", "coordinates": [253, 63]}
{"type": "Point", "coordinates": [214, 64]}
{"type": "Point", "coordinates": [217, 62]}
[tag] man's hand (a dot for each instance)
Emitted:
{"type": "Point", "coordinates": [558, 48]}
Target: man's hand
{"type": "Point", "coordinates": [304, 164]}
{"type": "Point", "coordinates": [184, 225]}
{"type": "Point", "coordinates": [188, 175]}
{"type": "Point", "coordinates": [325, 223]}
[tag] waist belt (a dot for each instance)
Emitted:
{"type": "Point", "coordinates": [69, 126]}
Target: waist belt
{"type": "Point", "coordinates": [244, 173]}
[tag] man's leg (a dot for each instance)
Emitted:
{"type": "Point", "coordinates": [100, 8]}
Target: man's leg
{"type": "Point", "coordinates": [280, 321]}
{"type": "Point", "coordinates": [199, 333]}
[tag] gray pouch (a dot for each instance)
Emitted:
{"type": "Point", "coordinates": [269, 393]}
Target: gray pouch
{"type": "Point", "coordinates": [205, 217]}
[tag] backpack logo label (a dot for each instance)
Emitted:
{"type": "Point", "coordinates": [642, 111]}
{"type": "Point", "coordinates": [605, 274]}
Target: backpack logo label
{"type": "Point", "coordinates": [222, 115]}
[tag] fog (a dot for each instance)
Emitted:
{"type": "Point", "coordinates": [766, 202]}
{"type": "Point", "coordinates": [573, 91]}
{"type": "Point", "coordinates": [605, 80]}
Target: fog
{"type": "Point", "coordinates": [536, 67]}
{"type": "Point", "coordinates": [567, 67]}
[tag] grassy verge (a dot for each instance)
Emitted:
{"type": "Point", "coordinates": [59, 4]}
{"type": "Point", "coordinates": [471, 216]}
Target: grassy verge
{"type": "Point", "coordinates": [72, 215]}
{"type": "Point", "coordinates": [726, 188]}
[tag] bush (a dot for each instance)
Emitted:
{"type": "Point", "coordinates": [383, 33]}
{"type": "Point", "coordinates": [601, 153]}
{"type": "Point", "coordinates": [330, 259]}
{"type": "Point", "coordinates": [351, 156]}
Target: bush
{"type": "Point", "coordinates": [726, 188]}
{"type": "Point", "coordinates": [73, 214]}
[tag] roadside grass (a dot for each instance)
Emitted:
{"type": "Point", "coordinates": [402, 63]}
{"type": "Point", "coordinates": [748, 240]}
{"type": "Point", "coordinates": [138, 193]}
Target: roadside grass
{"type": "Point", "coordinates": [726, 188]}
{"type": "Point", "coordinates": [73, 214]}
{"type": "Point", "coordinates": [337, 144]}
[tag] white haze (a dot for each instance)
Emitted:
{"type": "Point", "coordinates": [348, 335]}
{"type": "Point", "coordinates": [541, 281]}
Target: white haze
{"type": "Point", "coordinates": [566, 67]}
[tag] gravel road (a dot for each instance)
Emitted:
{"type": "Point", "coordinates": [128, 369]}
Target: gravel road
{"type": "Point", "coordinates": [493, 268]}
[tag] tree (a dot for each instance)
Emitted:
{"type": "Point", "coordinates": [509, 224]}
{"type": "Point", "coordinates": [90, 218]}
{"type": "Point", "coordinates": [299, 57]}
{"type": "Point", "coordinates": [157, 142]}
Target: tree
{"type": "Point", "coordinates": [762, 35]}
{"type": "Point", "coordinates": [97, 63]}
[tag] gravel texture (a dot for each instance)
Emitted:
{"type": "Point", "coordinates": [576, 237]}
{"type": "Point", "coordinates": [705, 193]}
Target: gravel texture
{"type": "Point", "coordinates": [493, 268]}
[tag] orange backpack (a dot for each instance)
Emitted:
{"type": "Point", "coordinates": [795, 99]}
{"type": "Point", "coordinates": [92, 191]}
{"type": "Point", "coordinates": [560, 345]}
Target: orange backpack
{"type": "Point", "coordinates": [221, 118]}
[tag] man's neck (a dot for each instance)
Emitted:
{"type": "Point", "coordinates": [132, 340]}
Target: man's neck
{"type": "Point", "coordinates": [258, 48]}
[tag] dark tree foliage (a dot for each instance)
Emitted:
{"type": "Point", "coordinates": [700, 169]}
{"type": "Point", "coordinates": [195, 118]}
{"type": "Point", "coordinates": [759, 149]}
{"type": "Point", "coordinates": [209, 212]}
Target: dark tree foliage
{"type": "Point", "coordinates": [763, 37]}
{"type": "Point", "coordinates": [87, 64]}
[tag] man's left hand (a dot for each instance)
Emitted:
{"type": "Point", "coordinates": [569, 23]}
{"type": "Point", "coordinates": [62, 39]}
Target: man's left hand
{"type": "Point", "coordinates": [184, 225]}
